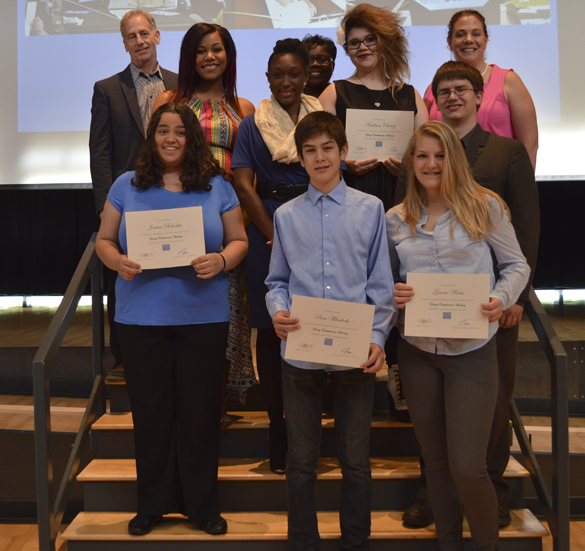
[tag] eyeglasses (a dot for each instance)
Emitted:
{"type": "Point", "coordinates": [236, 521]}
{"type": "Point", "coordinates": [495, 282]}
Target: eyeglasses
{"type": "Point", "coordinates": [368, 42]}
{"type": "Point", "coordinates": [320, 59]}
{"type": "Point", "coordinates": [459, 92]}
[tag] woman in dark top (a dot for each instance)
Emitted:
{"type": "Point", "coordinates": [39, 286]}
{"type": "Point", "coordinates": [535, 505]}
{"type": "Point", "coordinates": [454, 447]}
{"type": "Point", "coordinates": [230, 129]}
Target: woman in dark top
{"type": "Point", "coordinates": [265, 152]}
{"type": "Point", "coordinates": [377, 47]}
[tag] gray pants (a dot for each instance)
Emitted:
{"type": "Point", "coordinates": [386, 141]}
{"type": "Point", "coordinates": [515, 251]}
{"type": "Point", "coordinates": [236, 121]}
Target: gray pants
{"type": "Point", "coordinates": [451, 400]}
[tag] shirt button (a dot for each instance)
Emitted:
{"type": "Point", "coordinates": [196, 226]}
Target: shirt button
{"type": "Point", "coordinates": [326, 239]}
{"type": "Point", "coordinates": [328, 287]}
{"type": "Point", "coordinates": [326, 216]}
{"type": "Point", "coordinates": [327, 263]}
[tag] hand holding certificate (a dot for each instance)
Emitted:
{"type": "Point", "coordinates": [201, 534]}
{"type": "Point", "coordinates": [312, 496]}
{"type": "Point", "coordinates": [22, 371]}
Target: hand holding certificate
{"type": "Point", "coordinates": [165, 238]}
{"type": "Point", "coordinates": [331, 332]}
{"type": "Point", "coordinates": [447, 305]}
{"type": "Point", "coordinates": [378, 134]}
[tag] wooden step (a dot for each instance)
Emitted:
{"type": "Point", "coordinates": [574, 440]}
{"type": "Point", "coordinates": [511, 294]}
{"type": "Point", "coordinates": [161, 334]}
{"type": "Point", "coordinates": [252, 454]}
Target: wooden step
{"type": "Point", "coordinates": [250, 485]}
{"type": "Point", "coordinates": [248, 437]}
{"type": "Point", "coordinates": [124, 470]}
{"type": "Point", "coordinates": [268, 530]}
{"type": "Point", "coordinates": [250, 420]}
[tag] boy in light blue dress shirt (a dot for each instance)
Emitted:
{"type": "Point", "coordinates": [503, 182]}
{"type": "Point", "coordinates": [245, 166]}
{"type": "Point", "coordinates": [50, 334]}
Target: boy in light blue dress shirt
{"type": "Point", "coordinates": [329, 243]}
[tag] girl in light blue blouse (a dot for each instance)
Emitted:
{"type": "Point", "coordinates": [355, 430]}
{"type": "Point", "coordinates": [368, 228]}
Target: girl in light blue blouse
{"type": "Point", "coordinates": [450, 224]}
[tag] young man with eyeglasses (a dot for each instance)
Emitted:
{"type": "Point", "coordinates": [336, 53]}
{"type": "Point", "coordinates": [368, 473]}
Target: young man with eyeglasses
{"type": "Point", "coordinates": [322, 53]}
{"type": "Point", "coordinates": [503, 166]}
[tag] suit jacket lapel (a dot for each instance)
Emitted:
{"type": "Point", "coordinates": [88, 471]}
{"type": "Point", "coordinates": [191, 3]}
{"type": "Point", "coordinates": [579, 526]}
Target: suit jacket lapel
{"type": "Point", "coordinates": [476, 145]}
{"type": "Point", "coordinates": [129, 91]}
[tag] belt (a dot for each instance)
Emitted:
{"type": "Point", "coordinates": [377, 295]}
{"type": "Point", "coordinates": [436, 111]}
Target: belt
{"type": "Point", "coordinates": [281, 191]}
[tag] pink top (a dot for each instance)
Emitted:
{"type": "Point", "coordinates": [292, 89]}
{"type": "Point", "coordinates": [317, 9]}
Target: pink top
{"type": "Point", "coordinates": [494, 112]}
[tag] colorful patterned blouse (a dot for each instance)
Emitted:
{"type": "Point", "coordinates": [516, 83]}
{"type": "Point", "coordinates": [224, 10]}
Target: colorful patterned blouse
{"type": "Point", "coordinates": [220, 124]}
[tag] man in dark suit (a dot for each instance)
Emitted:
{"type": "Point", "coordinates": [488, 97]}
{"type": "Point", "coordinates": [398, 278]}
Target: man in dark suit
{"type": "Point", "coordinates": [120, 111]}
{"type": "Point", "coordinates": [503, 166]}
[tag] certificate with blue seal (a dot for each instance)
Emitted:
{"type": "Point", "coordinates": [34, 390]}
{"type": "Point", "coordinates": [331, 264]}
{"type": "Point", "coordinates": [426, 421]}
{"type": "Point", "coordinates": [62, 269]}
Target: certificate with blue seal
{"type": "Point", "coordinates": [447, 306]}
{"type": "Point", "coordinates": [165, 238]}
{"type": "Point", "coordinates": [332, 332]}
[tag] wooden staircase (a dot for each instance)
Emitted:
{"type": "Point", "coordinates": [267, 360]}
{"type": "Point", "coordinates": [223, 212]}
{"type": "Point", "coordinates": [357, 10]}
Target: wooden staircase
{"type": "Point", "coordinates": [253, 498]}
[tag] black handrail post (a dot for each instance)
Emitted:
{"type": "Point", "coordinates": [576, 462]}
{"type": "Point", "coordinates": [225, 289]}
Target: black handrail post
{"type": "Point", "coordinates": [98, 339]}
{"type": "Point", "coordinates": [44, 457]}
{"type": "Point", "coordinates": [560, 453]}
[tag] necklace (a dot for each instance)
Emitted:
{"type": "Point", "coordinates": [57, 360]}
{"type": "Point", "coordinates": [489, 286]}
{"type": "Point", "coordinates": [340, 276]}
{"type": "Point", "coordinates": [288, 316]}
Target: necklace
{"type": "Point", "coordinates": [376, 101]}
{"type": "Point", "coordinates": [486, 68]}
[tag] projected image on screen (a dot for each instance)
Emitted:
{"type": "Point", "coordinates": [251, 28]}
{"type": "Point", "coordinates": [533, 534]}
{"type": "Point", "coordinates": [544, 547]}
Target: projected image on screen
{"type": "Point", "coordinates": [65, 46]}
{"type": "Point", "coordinates": [102, 16]}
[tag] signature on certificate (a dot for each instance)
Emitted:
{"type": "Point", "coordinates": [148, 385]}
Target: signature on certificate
{"type": "Point", "coordinates": [183, 252]}
{"type": "Point", "coordinates": [145, 255]}
{"type": "Point", "coordinates": [463, 323]}
{"type": "Point", "coordinates": [305, 346]}
{"type": "Point", "coordinates": [425, 321]}
{"type": "Point", "coordinates": [346, 350]}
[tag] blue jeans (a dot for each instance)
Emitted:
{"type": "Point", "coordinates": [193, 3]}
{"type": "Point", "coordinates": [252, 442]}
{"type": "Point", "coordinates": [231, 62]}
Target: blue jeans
{"type": "Point", "coordinates": [303, 393]}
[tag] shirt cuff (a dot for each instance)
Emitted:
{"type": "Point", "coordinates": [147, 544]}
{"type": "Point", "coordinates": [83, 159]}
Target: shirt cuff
{"type": "Point", "coordinates": [378, 338]}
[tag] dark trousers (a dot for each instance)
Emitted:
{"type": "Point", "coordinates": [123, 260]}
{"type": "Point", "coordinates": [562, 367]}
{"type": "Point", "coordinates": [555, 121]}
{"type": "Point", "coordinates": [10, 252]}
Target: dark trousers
{"type": "Point", "coordinates": [174, 377]}
{"type": "Point", "coordinates": [304, 393]}
{"type": "Point", "coordinates": [451, 400]}
{"type": "Point", "coordinates": [269, 372]}
{"type": "Point", "coordinates": [498, 453]}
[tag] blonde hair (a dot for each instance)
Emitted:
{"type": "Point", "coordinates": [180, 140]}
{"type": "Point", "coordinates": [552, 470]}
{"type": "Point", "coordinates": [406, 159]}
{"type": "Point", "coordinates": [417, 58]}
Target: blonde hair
{"type": "Point", "coordinates": [463, 195]}
{"type": "Point", "coordinates": [392, 43]}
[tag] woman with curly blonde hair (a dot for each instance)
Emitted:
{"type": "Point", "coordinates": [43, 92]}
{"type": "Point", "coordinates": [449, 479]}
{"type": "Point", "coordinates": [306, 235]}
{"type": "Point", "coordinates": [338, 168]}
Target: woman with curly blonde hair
{"type": "Point", "coordinates": [378, 48]}
{"type": "Point", "coordinates": [449, 224]}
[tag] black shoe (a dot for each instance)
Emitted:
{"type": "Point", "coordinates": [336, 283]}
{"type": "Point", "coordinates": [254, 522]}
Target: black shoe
{"type": "Point", "coordinates": [504, 517]}
{"type": "Point", "coordinates": [214, 527]}
{"type": "Point", "coordinates": [142, 524]}
{"type": "Point", "coordinates": [116, 374]}
{"type": "Point", "coordinates": [278, 467]}
{"type": "Point", "coordinates": [419, 514]}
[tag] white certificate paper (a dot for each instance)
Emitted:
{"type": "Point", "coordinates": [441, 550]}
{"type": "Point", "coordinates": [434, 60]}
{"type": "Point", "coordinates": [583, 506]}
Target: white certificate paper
{"type": "Point", "coordinates": [165, 238]}
{"type": "Point", "coordinates": [447, 305]}
{"type": "Point", "coordinates": [378, 134]}
{"type": "Point", "coordinates": [332, 331]}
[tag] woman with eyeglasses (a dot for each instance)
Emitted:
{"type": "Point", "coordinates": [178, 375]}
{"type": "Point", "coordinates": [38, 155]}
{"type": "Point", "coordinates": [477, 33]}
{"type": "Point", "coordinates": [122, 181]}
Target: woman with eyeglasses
{"type": "Point", "coordinates": [378, 48]}
{"type": "Point", "coordinates": [507, 108]}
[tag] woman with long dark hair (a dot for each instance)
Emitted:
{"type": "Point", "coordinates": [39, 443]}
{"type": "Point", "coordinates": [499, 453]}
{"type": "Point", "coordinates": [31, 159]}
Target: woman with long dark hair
{"type": "Point", "coordinates": [207, 85]}
{"type": "Point", "coordinates": [173, 322]}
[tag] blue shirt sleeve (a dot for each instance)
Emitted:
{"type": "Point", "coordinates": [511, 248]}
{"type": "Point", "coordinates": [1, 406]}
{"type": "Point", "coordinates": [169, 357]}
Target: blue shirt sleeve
{"type": "Point", "coordinates": [380, 282]}
{"type": "Point", "coordinates": [118, 190]}
{"type": "Point", "coordinates": [242, 155]}
{"type": "Point", "coordinates": [278, 278]}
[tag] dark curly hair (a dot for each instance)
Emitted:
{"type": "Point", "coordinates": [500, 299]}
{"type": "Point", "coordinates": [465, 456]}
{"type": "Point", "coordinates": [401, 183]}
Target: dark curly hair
{"type": "Point", "coordinates": [199, 165]}
{"type": "Point", "coordinates": [188, 76]}
{"type": "Point", "coordinates": [291, 46]}
{"type": "Point", "coordinates": [313, 40]}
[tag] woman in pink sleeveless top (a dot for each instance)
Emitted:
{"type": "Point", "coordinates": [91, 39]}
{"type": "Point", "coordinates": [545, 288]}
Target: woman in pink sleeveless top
{"type": "Point", "coordinates": [507, 108]}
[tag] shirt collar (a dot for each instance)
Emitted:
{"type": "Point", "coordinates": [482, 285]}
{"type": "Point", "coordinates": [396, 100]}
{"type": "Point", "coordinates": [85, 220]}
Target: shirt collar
{"type": "Point", "coordinates": [469, 136]}
{"type": "Point", "coordinates": [337, 193]}
{"type": "Point", "coordinates": [136, 72]}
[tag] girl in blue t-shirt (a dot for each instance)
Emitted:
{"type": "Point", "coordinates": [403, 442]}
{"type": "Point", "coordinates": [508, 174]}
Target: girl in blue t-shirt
{"type": "Point", "coordinates": [173, 322]}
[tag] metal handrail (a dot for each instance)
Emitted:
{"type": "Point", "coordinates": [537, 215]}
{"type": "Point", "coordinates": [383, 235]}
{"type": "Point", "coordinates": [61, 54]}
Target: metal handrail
{"type": "Point", "coordinates": [50, 511]}
{"type": "Point", "coordinates": [556, 507]}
